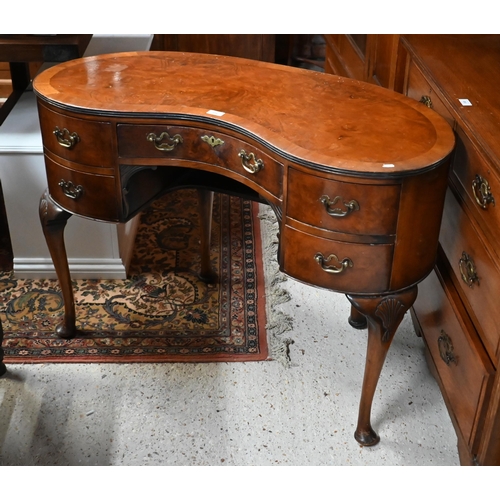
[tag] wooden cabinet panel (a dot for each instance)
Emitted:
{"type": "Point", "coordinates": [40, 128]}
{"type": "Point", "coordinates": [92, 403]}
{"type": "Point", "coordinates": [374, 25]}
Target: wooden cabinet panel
{"type": "Point", "coordinates": [476, 273]}
{"type": "Point", "coordinates": [477, 182]}
{"type": "Point", "coordinates": [421, 90]}
{"type": "Point", "coordinates": [449, 68]}
{"type": "Point", "coordinates": [457, 354]}
{"type": "Point", "coordinates": [259, 47]}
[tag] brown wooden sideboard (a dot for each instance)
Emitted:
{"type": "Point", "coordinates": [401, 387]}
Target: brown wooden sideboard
{"type": "Point", "coordinates": [456, 311]}
{"type": "Point", "coordinates": [358, 193]}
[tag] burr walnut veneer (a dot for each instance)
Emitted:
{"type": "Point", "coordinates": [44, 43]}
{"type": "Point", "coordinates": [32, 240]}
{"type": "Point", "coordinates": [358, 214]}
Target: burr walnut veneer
{"type": "Point", "coordinates": [355, 173]}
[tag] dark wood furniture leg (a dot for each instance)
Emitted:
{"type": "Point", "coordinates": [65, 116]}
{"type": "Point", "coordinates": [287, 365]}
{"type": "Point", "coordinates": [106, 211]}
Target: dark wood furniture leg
{"type": "Point", "coordinates": [383, 314]}
{"type": "Point", "coordinates": [357, 319]}
{"type": "Point", "coordinates": [53, 219]}
{"type": "Point", "coordinates": [205, 208]}
{"type": "Point", "coordinates": [3, 368]}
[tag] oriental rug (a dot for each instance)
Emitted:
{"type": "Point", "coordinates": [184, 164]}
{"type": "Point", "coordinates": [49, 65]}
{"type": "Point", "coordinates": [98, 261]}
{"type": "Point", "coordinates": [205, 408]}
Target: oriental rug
{"type": "Point", "coordinates": [162, 312]}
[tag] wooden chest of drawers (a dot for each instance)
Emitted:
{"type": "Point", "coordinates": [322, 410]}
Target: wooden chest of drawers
{"type": "Point", "coordinates": [456, 311]}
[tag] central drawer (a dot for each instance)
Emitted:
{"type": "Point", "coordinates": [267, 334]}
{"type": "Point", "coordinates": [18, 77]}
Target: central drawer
{"type": "Point", "coordinates": [201, 146]}
{"type": "Point", "coordinates": [345, 207]}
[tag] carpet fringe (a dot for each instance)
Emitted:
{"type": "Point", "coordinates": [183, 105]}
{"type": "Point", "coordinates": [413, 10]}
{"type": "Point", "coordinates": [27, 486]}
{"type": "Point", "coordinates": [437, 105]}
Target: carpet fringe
{"type": "Point", "coordinates": [278, 322]}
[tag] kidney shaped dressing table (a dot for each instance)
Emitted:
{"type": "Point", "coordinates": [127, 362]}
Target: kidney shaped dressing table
{"type": "Point", "coordinates": [356, 174]}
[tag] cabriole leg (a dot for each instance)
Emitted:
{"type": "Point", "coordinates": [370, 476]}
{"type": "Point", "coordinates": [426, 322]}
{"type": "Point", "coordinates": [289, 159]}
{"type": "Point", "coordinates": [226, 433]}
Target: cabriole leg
{"type": "Point", "coordinates": [383, 314]}
{"type": "Point", "coordinates": [53, 219]}
{"type": "Point", "coordinates": [205, 209]}
{"type": "Point", "coordinates": [3, 368]}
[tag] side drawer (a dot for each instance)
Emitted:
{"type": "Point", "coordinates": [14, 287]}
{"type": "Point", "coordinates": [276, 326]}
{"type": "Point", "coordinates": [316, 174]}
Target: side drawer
{"type": "Point", "coordinates": [370, 270]}
{"type": "Point", "coordinates": [476, 274]}
{"type": "Point", "coordinates": [343, 206]}
{"type": "Point", "coordinates": [89, 195]}
{"type": "Point", "coordinates": [478, 182]}
{"type": "Point", "coordinates": [83, 141]}
{"type": "Point", "coordinates": [460, 362]}
{"type": "Point", "coordinates": [201, 145]}
{"type": "Point", "coordinates": [420, 89]}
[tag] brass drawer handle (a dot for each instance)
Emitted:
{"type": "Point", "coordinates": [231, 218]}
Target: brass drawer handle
{"type": "Point", "coordinates": [468, 270]}
{"type": "Point", "coordinates": [446, 348]}
{"type": "Point", "coordinates": [65, 138]}
{"type": "Point", "coordinates": [482, 192]}
{"type": "Point", "coordinates": [320, 259]}
{"type": "Point", "coordinates": [251, 164]}
{"type": "Point", "coordinates": [425, 99]}
{"type": "Point", "coordinates": [70, 190]}
{"type": "Point", "coordinates": [337, 212]}
{"type": "Point", "coordinates": [169, 145]}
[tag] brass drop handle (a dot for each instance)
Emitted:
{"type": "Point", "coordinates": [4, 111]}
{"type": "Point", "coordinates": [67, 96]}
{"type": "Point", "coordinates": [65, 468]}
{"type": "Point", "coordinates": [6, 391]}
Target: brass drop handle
{"type": "Point", "coordinates": [482, 192]}
{"type": "Point", "coordinates": [446, 349]}
{"type": "Point", "coordinates": [425, 99]}
{"type": "Point", "coordinates": [169, 144]}
{"type": "Point", "coordinates": [337, 212]}
{"type": "Point", "coordinates": [65, 138]}
{"type": "Point", "coordinates": [342, 266]}
{"type": "Point", "coordinates": [468, 270]}
{"type": "Point", "coordinates": [251, 164]}
{"type": "Point", "coordinates": [70, 190]}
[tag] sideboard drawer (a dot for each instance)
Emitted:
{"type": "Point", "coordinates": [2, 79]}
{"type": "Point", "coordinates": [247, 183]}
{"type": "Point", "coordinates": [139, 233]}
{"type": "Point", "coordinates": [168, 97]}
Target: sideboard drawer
{"type": "Point", "coordinates": [89, 195]}
{"type": "Point", "coordinates": [421, 90]}
{"type": "Point", "coordinates": [460, 361]}
{"type": "Point", "coordinates": [479, 182]}
{"type": "Point", "coordinates": [369, 272]}
{"type": "Point", "coordinates": [343, 206]}
{"type": "Point", "coordinates": [83, 141]}
{"type": "Point", "coordinates": [476, 273]}
{"type": "Point", "coordinates": [201, 145]}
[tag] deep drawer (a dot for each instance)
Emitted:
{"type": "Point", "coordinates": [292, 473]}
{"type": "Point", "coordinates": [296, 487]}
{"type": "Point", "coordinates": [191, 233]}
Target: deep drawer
{"type": "Point", "coordinates": [476, 273]}
{"type": "Point", "coordinates": [461, 363]}
{"type": "Point", "coordinates": [89, 195]}
{"type": "Point", "coordinates": [195, 144]}
{"type": "Point", "coordinates": [343, 206]}
{"type": "Point", "coordinates": [371, 264]}
{"type": "Point", "coordinates": [479, 183]}
{"type": "Point", "coordinates": [83, 141]}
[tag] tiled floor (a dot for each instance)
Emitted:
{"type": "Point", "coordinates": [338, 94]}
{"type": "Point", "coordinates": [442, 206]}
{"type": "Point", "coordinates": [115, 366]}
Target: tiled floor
{"type": "Point", "coordinates": [260, 413]}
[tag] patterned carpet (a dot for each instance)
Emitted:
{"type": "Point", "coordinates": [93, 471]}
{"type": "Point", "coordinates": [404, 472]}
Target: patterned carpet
{"type": "Point", "coordinates": [163, 312]}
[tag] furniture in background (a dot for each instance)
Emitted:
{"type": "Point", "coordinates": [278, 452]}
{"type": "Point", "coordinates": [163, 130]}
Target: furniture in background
{"type": "Point", "coordinates": [258, 47]}
{"type": "Point", "coordinates": [358, 193]}
{"type": "Point", "coordinates": [25, 53]}
{"type": "Point", "coordinates": [370, 58]}
{"type": "Point", "coordinates": [95, 250]}
{"type": "Point", "coordinates": [456, 310]}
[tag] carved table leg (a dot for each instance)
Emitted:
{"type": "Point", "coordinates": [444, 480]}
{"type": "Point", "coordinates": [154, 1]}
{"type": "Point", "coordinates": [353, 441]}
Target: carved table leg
{"type": "Point", "coordinates": [383, 314]}
{"type": "Point", "coordinates": [3, 368]}
{"type": "Point", "coordinates": [205, 203]}
{"type": "Point", "coordinates": [53, 219]}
